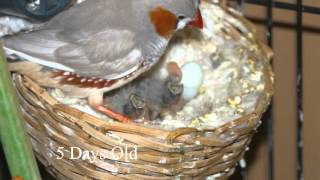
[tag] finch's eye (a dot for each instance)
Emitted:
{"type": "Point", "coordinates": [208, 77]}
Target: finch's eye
{"type": "Point", "coordinates": [181, 17]}
{"type": "Point", "coordinates": [182, 21]}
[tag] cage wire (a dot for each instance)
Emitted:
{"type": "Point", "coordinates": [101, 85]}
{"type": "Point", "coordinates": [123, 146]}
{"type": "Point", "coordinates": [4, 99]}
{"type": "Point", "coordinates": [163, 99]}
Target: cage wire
{"type": "Point", "coordinates": [300, 9]}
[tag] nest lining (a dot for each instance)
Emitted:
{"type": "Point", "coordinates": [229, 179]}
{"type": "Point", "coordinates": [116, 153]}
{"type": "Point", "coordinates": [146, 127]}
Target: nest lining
{"type": "Point", "coordinates": [233, 70]}
{"type": "Point", "coordinates": [233, 63]}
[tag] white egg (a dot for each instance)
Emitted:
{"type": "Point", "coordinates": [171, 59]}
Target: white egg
{"type": "Point", "coordinates": [192, 78]}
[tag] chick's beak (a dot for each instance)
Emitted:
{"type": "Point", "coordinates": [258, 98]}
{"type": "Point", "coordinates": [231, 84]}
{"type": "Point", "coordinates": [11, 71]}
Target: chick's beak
{"type": "Point", "coordinates": [198, 21]}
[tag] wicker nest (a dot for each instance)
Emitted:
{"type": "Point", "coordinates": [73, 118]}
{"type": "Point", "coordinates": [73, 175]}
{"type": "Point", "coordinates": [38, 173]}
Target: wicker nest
{"type": "Point", "coordinates": [186, 153]}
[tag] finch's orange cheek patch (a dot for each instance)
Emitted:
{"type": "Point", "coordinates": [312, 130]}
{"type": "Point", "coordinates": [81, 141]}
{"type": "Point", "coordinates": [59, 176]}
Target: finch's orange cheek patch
{"type": "Point", "coordinates": [164, 21]}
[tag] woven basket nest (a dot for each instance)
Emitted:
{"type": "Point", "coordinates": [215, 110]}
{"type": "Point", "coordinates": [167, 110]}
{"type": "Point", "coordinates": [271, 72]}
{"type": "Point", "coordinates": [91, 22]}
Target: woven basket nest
{"type": "Point", "coordinates": [186, 153]}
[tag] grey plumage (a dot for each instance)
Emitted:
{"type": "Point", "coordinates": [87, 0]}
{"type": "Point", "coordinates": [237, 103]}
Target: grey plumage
{"type": "Point", "coordinates": [94, 37]}
{"type": "Point", "coordinates": [103, 45]}
{"type": "Point", "coordinates": [153, 89]}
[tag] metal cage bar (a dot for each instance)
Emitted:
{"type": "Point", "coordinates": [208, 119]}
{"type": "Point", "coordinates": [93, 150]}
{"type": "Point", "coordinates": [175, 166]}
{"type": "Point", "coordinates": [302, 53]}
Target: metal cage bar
{"type": "Point", "coordinates": [299, 88]}
{"type": "Point", "coordinates": [269, 113]}
{"type": "Point", "coordinates": [287, 6]}
{"type": "Point", "coordinates": [300, 9]}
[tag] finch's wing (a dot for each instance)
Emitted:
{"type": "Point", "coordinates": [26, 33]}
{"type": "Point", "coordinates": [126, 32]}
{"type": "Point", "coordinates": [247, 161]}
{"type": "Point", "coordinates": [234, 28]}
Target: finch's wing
{"type": "Point", "coordinates": [109, 54]}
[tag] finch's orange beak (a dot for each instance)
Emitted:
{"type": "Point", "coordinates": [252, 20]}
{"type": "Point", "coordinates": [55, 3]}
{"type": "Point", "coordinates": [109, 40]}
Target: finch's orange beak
{"type": "Point", "coordinates": [197, 22]}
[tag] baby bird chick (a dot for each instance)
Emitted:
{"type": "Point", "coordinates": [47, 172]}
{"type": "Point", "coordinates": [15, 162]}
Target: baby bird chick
{"type": "Point", "coordinates": [148, 96]}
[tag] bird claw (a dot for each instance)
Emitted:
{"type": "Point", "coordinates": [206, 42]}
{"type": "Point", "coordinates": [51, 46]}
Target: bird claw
{"type": "Point", "coordinates": [114, 115]}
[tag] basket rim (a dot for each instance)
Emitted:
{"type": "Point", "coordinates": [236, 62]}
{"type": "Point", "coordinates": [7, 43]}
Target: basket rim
{"type": "Point", "coordinates": [183, 152]}
{"type": "Point", "coordinates": [170, 135]}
